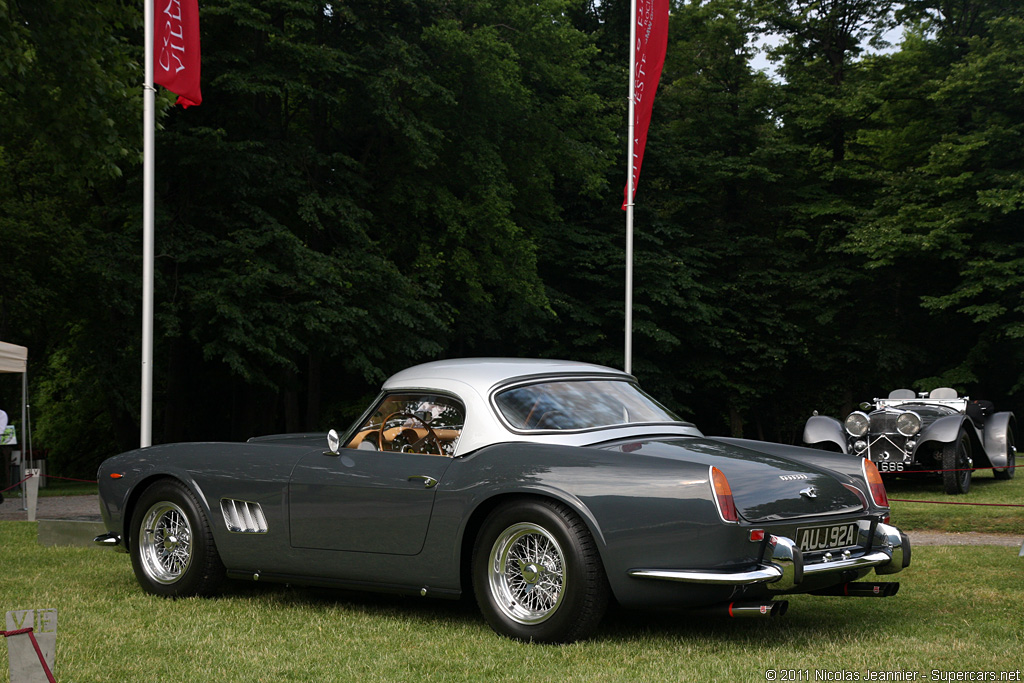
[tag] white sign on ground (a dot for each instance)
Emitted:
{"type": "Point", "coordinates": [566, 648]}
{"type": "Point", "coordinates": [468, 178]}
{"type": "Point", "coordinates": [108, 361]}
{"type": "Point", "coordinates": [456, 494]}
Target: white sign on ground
{"type": "Point", "coordinates": [22, 658]}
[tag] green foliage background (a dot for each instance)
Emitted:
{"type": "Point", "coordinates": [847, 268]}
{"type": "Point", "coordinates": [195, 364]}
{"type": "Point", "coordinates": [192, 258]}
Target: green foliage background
{"type": "Point", "coordinates": [376, 183]}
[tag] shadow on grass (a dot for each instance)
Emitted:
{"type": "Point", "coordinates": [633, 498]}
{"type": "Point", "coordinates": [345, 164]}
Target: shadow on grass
{"type": "Point", "coordinates": [619, 624]}
{"type": "Point", "coordinates": [462, 610]}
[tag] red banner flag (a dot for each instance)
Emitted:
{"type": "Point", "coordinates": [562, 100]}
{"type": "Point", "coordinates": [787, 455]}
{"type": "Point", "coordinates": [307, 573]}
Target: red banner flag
{"type": "Point", "coordinates": [176, 49]}
{"type": "Point", "coordinates": [651, 42]}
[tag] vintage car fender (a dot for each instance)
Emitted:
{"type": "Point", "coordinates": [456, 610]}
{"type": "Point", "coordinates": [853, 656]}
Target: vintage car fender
{"type": "Point", "coordinates": [822, 428]}
{"type": "Point", "coordinates": [944, 430]}
{"type": "Point", "coordinates": [636, 517]}
{"type": "Point", "coordinates": [231, 464]}
{"type": "Point", "coordinates": [997, 429]}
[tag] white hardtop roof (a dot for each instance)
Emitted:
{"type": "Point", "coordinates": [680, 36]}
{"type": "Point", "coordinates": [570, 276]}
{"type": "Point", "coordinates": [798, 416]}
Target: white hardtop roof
{"type": "Point", "coordinates": [485, 373]}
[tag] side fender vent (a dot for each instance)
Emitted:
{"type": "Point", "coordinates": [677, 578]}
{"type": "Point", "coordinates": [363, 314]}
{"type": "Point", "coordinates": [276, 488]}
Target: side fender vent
{"type": "Point", "coordinates": [243, 517]}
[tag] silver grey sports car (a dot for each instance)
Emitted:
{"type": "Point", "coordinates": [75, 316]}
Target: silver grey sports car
{"type": "Point", "coordinates": [547, 488]}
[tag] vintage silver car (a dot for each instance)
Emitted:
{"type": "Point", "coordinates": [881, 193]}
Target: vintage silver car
{"type": "Point", "coordinates": [546, 488]}
{"type": "Point", "coordinates": [938, 432]}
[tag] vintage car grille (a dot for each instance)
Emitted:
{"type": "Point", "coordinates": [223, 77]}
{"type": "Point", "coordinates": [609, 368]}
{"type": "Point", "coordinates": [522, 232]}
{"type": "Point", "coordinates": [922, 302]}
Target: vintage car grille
{"type": "Point", "coordinates": [882, 423]}
{"type": "Point", "coordinates": [243, 517]}
{"type": "Point", "coordinates": [883, 439]}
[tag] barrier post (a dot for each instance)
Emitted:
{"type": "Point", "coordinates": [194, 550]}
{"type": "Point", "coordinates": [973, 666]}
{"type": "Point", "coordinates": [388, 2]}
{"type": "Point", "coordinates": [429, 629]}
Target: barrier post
{"type": "Point", "coordinates": [32, 492]}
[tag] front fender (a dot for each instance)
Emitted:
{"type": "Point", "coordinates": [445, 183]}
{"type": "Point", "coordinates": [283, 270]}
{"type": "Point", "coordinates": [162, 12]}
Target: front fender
{"type": "Point", "coordinates": [944, 430]}
{"type": "Point", "coordinates": [997, 429]}
{"type": "Point", "coordinates": [824, 429]}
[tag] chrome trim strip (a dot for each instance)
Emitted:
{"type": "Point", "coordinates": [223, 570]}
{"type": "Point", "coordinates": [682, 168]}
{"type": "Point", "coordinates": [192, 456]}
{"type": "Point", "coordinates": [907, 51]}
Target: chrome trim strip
{"type": "Point", "coordinates": [762, 574]}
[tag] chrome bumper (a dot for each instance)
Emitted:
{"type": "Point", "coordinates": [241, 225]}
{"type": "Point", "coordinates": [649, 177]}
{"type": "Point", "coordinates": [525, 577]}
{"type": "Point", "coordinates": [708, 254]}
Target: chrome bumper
{"type": "Point", "coordinates": [783, 566]}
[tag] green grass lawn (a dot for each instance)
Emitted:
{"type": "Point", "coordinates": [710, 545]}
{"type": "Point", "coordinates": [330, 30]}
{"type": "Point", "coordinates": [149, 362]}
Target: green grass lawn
{"type": "Point", "coordinates": [959, 609]}
{"type": "Point", "coordinates": [983, 514]}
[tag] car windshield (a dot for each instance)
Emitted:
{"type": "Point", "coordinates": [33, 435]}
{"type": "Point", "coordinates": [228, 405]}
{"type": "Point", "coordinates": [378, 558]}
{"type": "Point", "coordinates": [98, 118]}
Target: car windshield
{"type": "Point", "coordinates": [579, 404]}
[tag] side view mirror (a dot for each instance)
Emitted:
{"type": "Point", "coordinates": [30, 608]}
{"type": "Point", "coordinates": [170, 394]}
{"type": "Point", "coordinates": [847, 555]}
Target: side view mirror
{"type": "Point", "coordinates": [333, 442]}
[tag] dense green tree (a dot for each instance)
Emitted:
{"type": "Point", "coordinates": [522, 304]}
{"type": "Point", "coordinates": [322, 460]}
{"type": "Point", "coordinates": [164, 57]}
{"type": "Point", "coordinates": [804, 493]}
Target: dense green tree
{"type": "Point", "coordinates": [953, 202]}
{"type": "Point", "coordinates": [376, 183]}
{"type": "Point", "coordinates": [414, 152]}
{"type": "Point", "coordinates": [69, 135]}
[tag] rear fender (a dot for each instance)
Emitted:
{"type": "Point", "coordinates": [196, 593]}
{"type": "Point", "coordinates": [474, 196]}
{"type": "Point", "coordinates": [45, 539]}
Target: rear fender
{"type": "Point", "coordinates": [824, 429]}
{"type": "Point", "coordinates": [997, 429]}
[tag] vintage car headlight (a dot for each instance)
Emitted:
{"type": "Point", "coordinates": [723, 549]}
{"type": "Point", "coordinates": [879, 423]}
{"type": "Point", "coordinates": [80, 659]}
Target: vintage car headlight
{"type": "Point", "coordinates": [859, 446]}
{"type": "Point", "coordinates": [857, 424]}
{"type": "Point", "coordinates": [908, 424]}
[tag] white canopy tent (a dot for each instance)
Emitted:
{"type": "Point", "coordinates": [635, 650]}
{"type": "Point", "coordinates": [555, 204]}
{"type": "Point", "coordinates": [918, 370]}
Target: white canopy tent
{"type": "Point", "coordinates": [14, 358]}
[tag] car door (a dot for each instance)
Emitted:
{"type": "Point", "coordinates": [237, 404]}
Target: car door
{"type": "Point", "coordinates": [363, 500]}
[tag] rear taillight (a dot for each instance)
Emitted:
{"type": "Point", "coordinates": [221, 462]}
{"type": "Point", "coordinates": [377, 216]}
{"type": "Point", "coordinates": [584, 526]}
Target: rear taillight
{"type": "Point", "coordinates": [723, 496]}
{"type": "Point", "coordinates": [875, 485]}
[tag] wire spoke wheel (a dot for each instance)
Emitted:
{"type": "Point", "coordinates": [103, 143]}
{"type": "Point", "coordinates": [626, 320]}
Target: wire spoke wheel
{"type": "Point", "coordinates": [165, 543]}
{"type": "Point", "coordinates": [527, 573]}
{"type": "Point", "coordinates": [537, 574]}
{"type": "Point", "coordinates": [171, 543]}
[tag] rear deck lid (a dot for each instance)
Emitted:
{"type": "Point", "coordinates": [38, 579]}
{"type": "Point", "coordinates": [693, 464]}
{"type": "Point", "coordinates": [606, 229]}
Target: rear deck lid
{"type": "Point", "coordinates": [766, 488]}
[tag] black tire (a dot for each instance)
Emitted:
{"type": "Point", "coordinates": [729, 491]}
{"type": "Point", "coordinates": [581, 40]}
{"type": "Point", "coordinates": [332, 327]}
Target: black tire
{"type": "Point", "coordinates": [1011, 460]}
{"type": "Point", "coordinates": [537, 575]}
{"type": "Point", "coordinates": [172, 547]}
{"type": "Point", "coordinates": [956, 465]}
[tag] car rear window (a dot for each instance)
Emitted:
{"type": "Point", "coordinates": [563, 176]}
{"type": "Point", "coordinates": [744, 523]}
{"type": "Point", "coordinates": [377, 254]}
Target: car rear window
{"type": "Point", "coordinates": [578, 404]}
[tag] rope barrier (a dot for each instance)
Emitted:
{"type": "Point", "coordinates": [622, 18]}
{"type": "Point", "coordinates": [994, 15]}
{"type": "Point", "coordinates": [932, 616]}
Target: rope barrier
{"type": "Point", "coordinates": [48, 476]}
{"type": "Point", "coordinates": [84, 481]}
{"type": "Point", "coordinates": [962, 469]}
{"type": "Point", "coordinates": [945, 502]}
{"type": "Point", "coordinates": [39, 652]}
{"type": "Point", "coordinates": [18, 484]}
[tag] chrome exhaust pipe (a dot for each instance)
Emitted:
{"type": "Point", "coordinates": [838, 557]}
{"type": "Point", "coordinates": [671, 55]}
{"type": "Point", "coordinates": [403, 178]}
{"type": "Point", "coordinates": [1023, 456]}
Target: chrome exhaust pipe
{"type": "Point", "coordinates": [746, 610]}
{"type": "Point", "coordinates": [772, 608]}
{"type": "Point", "coordinates": [862, 589]}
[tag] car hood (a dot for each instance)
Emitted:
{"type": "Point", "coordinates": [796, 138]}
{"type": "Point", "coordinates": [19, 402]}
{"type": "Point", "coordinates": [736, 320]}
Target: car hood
{"type": "Point", "coordinates": [765, 487]}
{"type": "Point", "coordinates": [927, 413]}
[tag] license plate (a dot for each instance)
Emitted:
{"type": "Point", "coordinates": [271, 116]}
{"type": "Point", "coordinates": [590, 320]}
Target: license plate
{"type": "Point", "coordinates": [827, 537]}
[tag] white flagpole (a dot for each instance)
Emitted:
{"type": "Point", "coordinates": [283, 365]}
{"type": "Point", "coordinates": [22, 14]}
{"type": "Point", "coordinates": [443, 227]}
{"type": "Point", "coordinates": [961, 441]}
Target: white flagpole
{"type": "Point", "coordinates": [628, 366]}
{"type": "Point", "coordinates": [148, 131]}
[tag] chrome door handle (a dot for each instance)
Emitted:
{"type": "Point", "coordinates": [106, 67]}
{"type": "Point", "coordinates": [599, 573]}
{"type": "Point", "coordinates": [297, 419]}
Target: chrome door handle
{"type": "Point", "coordinates": [428, 482]}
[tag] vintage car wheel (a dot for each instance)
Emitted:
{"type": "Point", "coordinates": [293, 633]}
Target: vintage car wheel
{"type": "Point", "coordinates": [537, 574]}
{"type": "Point", "coordinates": [1011, 461]}
{"type": "Point", "coordinates": [957, 456]}
{"type": "Point", "coordinates": [172, 547]}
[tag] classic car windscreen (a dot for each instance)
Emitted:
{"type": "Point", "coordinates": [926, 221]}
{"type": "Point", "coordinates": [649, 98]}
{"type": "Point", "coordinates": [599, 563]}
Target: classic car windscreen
{"type": "Point", "coordinates": [579, 404]}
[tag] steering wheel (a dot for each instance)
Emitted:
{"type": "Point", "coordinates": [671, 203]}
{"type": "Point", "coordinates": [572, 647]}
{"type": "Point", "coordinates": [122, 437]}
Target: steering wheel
{"type": "Point", "coordinates": [385, 445]}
